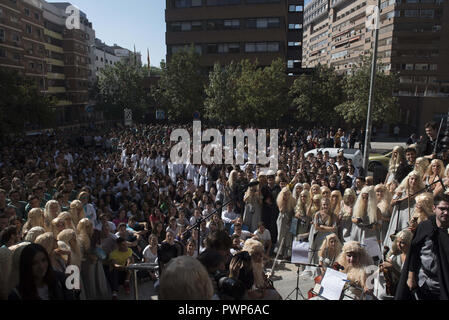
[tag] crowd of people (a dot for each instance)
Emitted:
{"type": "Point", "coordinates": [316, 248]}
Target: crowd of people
{"type": "Point", "coordinates": [106, 198]}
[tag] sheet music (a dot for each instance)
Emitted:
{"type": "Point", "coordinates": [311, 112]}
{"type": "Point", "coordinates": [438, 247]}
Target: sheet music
{"type": "Point", "coordinates": [332, 284]}
{"type": "Point", "coordinates": [300, 252]}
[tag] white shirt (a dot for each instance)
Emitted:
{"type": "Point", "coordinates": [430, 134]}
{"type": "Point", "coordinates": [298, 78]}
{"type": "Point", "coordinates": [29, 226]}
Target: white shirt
{"type": "Point", "coordinates": [227, 217]}
{"type": "Point", "coordinates": [265, 236]}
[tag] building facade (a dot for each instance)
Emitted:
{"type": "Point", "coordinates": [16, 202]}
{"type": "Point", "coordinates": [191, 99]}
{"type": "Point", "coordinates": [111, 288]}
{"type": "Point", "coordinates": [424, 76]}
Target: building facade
{"type": "Point", "coordinates": [231, 30]}
{"type": "Point", "coordinates": [413, 42]}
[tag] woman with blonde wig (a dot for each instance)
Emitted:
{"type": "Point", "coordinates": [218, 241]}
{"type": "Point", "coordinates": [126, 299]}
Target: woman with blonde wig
{"type": "Point", "coordinates": [302, 214]}
{"type": "Point", "coordinates": [76, 211]}
{"type": "Point", "coordinates": [345, 215]}
{"type": "Point", "coordinates": [325, 192]}
{"type": "Point", "coordinates": [69, 237]}
{"type": "Point", "coordinates": [253, 207]}
{"type": "Point", "coordinates": [324, 223]}
{"type": "Point", "coordinates": [286, 204]}
{"type": "Point", "coordinates": [403, 205]}
{"type": "Point", "coordinates": [329, 251]}
{"type": "Point", "coordinates": [57, 225]}
{"type": "Point", "coordinates": [315, 189]}
{"type": "Point", "coordinates": [49, 242]}
{"type": "Point", "coordinates": [92, 273]}
{"type": "Point", "coordinates": [421, 165]}
{"type": "Point", "coordinates": [35, 219]}
{"type": "Point", "coordinates": [354, 259]}
{"type": "Point", "coordinates": [365, 217]}
{"type": "Point", "coordinates": [423, 209]}
{"type": "Point", "coordinates": [67, 218]}
{"type": "Point", "coordinates": [397, 159]}
{"type": "Point", "coordinates": [51, 211]}
{"type": "Point", "coordinates": [336, 201]}
{"type": "Point", "coordinates": [384, 204]}
{"type": "Point", "coordinates": [434, 173]}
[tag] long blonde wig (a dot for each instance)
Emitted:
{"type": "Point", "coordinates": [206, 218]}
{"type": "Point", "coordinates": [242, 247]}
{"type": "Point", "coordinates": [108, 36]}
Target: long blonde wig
{"type": "Point", "coordinates": [440, 172]}
{"type": "Point", "coordinates": [406, 236]}
{"type": "Point", "coordinates": [404, 184]}
{"type": "Point", "coordinates": [285, 205]}
{"type": "Point", "coordinates": [35, 219]}
{"type": "Point", "coordinates": [69, 237]}
{"type": "Point", "coordinates": [76, 211]}
{"type": "Point", "coordinates": [33, 233]}
{"type": "Point", "coordinates": [48, 241]}
{"type": "Point", "coordinates": [84, 232]}
{"type": "Point", "coordinates": [254, 246]}
{"type": "Point", "coordinates": [384, 203]}
{"type": "Point", "coordinates": [423, 207]}
{"type": "Point", "coordinates": [421, 165]}
{"type": "Point", "coordinates": [49, 215]}
{"type": "Point", "coordinates": [68, 222]}
{"type": "Point", "coordinates": [336, 204]}
{"type": "Point", "coordinates": [371, 209]}
{"type": "Point", "coordinates": [356, 272]}
{"type": "Point", "coordinates": [331, 252]}
{"type": "Point", "coordinates": [302, 206]}
{"type": "Point", "coordinates": [395, 161]}
{"type": "Point", "coordinates": [316, 205]}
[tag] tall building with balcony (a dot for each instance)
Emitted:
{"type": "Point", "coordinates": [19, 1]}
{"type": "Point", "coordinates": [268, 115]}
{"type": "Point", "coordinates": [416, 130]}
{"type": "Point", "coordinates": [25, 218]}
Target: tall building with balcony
{"type": "Point", "coordinates": [412, 42]}
{"type": "Point", "coordinates": [231, 30]}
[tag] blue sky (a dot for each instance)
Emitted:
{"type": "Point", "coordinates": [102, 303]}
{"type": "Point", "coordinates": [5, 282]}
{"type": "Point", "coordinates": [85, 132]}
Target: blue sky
{"type": "Point", "coordinates": [129, 23]}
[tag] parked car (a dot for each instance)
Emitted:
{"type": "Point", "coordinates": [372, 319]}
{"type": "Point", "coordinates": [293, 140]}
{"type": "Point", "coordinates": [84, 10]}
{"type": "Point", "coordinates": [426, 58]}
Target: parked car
{"type": "Point", "coordinates": [379, 159]}
{"type": "Point", "coordinates": [354, 154]}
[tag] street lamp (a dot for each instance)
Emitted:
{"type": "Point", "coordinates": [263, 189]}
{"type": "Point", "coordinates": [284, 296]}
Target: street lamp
{"type": "Point", "coordinates": [371, 90]}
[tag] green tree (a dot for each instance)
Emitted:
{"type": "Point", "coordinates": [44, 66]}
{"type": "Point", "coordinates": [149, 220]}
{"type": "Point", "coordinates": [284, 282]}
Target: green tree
{"type": "Point", "coordinates": [316, 96]}
{"type": "Point", "coordinates": [181, 86]}
{"type": "Point", "coordinates": [22, 105]}
{"type": "Point", "coordinates": [121, 87]}
{"type": "Point", "coordinates": [356, 93]}
{"type": "Point", "coordinates": [262, 93]}
{"type": "Point", "coordinates": [220, 103]}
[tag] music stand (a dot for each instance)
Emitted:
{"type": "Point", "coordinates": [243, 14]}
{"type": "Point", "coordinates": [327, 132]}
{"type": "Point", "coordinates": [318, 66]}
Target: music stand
{"type": "Point", "coordinates": [141, 266]}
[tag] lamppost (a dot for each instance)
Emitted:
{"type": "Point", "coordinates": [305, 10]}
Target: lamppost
{"type": "Point", "coordinates": [371, 89]}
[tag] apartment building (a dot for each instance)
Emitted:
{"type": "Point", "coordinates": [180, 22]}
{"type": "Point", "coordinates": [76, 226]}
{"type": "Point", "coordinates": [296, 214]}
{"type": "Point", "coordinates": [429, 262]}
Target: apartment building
{"type": "Point", "coordinates": [231, 30]}
{"type": "Point", "coordinates": [412, 42]}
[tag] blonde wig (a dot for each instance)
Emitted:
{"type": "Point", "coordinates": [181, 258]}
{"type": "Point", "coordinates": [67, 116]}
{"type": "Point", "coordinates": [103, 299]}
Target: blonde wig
{"type": "Point", "coordinates": [5, 267]}
{"type": "Point", "coordinates": [295, 193]}
{"type": "Point", "coordinates": [48, 241]}
{"type": "Point", "coordinates": [384, 203]}
{"type": "Point", "coordinates": [253, 196]}
{"type": "Point", "coordinates": [314, 190]}
{"type": "Point", "coordinates": [356, 271]}
{"type": "Point", "coordinates": [423, 207]}
{"type": "Point", "coordinates": [421, 165]}
{"type": "Point", "coordinates": [285, 205]}
{"type": "Point", "coordinates": [440, 172]}
{"type": "Point", "coordinates": [68, 222]}
{"type": "Point", "coordinates": [405, 235]}
{"type": "Point", "coordinates": [325, 249]}
{"type": "Point", "coordinates": [306, 186]}
{"type": "Point", "coordinates": [404, 184]}
{"type": "Point", "coordinates": [50, 213]}
{"type": "Point", "coordinates": [336, 201]}
{"type": "Point", "coordinates": [254, 246]}
{"type": "Point", "coordinates": [325, 189]}
{"type": "Point", "coordinates": [55, 229]}
{"type": "Point", "coordinates": [349, 194]}
{"type": "Point", "coordinates": [232, 179]}
{"type": "Point", "coordinates": [33, 233]}
{"type": "Point", "coordinates": [302, 206]}
{"type": "Point", "coordinates": [85, 230]}
{"type": "Point", "coordinates": [316, 205]}
{"type": "Point", "coordinates": [397, 159]}
{"type": "Point", "coordinates": [371, 208]}
{"type": "Point", "coordinates": [69, 237]}
{"type": "Point", "coordinates": [185, 278]}
{"type": "Point", "coordinates": [76, 211]}
{"type": "Point", "coordinates": [35, 219]}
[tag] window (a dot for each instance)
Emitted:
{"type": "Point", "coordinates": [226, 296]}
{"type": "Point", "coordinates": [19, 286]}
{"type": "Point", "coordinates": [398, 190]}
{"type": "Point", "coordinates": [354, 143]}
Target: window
{"type": "Point", "coordinates": [2, 35]}
{"type": "Point", "coordinates": [405, 79]}
{"type": "Point", "coordinates": [222, 2]}
{"type": "Point", "coordinates": [250, 47]}
{"type": "Point", "coordinates": [292, 26]}
{"type": "Point", "coordinates": [36, 16]}
{"type": "Point", "coordinates": [294, 44]}
{"type": "Point", "coordinates": [212, 48]}
{"type": "Point", "coordinates": [433, 67]}
{"type": "Point", "coordinates": [411, 13]}
{"type": "Point", "coordinates": [16, 56]}
{"type": "Point", "coordinates": [175, 26]}
{"type": "Point", "coordinates": [274, 23]}
{"type": "Point", "coordinates": [273, 47]}
{"type": "Point", "coordinates": [29, 29]}
{"type": "Point", "coordinates": [31, 65]}
{"type": "Point", "coordinates": [186, 26]}
{"type": "Point", "coordinates": [197, 25]}
{"type": "Point", "coordinates": [197, 3]}
{"type": "Point", "coordinates": [290, 64]}
{"type": "Point", "coordinates": [229, 48]}
{"type": "Point", "coordinates": [2, 53]}
{"type": "Point", "coordinates": [231, 24]}
{"type": "Point", "coordinates": [14, 19]}
{"type": "Point", "coordinates": [39, 32]}
{"type": "Point", "coordinates": [427, 13]}
{"type": "Point", "coordinates": [1, 12]}
{"type": "Point", "coordinates": [262, 23]}
{"type": "Point", "coordinates": [27, 12]}
{"type": "Point", "coordinates": [422, 66]}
